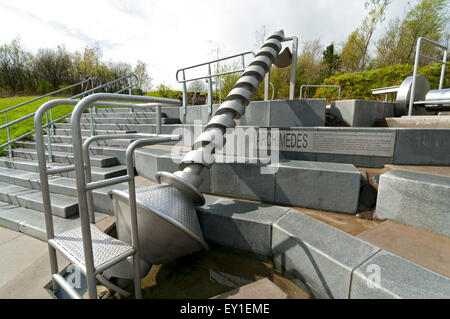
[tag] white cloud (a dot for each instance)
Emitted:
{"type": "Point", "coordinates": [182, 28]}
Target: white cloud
{"type": "Point", "coordinates": [169, 35]}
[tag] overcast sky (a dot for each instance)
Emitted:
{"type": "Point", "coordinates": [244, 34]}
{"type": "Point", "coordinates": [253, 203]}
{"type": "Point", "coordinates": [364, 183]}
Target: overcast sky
{"type": "Point", "coordinates": [169, 35]}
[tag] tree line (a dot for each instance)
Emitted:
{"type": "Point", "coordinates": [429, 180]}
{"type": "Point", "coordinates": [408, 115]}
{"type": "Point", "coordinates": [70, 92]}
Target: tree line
{"type": "Point", "coordinates": [51, 69]}
{"type": "Point", "coordinates": [359, 54]}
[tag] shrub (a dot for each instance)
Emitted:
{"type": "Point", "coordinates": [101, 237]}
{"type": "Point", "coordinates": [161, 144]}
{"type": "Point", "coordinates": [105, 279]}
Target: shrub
{"type": "Point", "coordinates": [359, 85]}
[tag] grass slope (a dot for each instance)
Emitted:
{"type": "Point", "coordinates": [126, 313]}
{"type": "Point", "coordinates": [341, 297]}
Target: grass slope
{"type": "Point", "coordinates": [28, 124]}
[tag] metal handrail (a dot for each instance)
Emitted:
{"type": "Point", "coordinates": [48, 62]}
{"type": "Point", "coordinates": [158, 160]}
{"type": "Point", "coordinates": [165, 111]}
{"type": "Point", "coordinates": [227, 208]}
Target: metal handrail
{"type": "Point", "coordinates": [416, 65]}
{"type": "Point", "coordinates": [208, 63]}
{"type": "Point", "coordinates": [44, 171]}
{"type": "Point", "coordinates": [294, 52]}
{"type": "Point", "coordinates": [81, 178]}
{"type": "Point", "coordinates": [320, 86]}
{"type": "Point", "coordinates": [49, 95]}
{"type": "Point", "coordinates": [209, 77]}
{"type": "Point", "coordinates": [386, 91]}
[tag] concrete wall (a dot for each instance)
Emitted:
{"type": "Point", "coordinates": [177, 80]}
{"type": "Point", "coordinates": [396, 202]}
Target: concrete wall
{"type": "Point", "coordinates": [362, 113]}
{"type": "Point", "coordinates": [280, 113]}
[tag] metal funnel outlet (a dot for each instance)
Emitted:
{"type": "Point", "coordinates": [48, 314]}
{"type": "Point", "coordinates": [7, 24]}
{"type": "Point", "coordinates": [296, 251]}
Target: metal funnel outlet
{"type": "Point", "coordinates": [168, 226]}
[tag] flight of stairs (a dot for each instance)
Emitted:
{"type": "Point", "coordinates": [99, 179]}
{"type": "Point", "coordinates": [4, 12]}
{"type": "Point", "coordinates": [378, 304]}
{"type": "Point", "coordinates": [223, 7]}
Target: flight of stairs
{"type": "Point", "coordinates": [20, 196]}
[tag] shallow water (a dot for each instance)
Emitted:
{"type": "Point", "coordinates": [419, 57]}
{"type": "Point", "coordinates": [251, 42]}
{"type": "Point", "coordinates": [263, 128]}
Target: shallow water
{"type": "Point", "coordinates": [208, 274]}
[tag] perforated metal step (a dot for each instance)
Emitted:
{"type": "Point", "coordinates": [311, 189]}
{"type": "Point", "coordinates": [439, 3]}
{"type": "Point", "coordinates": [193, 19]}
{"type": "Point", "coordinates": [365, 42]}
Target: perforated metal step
{"type": "Point", "coordinates": [106, 249]}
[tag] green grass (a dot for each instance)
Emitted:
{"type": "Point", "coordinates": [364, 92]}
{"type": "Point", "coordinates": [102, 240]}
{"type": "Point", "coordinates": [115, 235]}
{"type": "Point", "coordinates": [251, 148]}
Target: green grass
{"type": "Point", "coordinates": [28, 124]}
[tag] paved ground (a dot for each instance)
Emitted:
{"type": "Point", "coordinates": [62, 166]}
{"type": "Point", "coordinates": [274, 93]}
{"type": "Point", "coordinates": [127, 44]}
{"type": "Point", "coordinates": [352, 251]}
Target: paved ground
{"type": "Point", "coordinates": [25, 266]}
{"type": "Point", "coordinates": [25, 269]}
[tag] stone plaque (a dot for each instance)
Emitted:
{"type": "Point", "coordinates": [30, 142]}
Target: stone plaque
{"type": "Point", "coordinates": [337, 142]}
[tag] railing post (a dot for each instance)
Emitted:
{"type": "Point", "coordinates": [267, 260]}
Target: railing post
{"type": "Point", "coordinates": [8, 136]}
{"type": "Point", "coordinates": [50, 156]}
{"type": "Point", "coordinates": [49, 134]}
{"type": "Point", "coordinates": [51, 120]}
{"type": "Point", "coordinates": [444, 63]}
{"type": "Point", "coordinates": [185, 103]}
{"type": "Point", "coordinates": [413, 85]}
{"type": "Point", "coordinates": [293, 68]}
{"type": "Point", "coordinates": [210, 91]}
{"type": "Point", "coordinates": [266, 86]}
{"type": "Point", "coordinates": [91, 121]}
{"type": "Point", "coordinates": [158, 119]}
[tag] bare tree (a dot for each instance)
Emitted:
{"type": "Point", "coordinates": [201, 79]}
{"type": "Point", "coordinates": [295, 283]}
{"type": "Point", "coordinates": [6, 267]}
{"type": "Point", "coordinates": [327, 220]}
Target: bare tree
{"type": "Point", "coordinates": [15, 65]}
{"type": "Point", "coordinates": [197, 86]}
{"type": "Point", "coordinates": [144, 80]}
{"type": "Point", "coordinates": [260, 37]}
{"type": "Point", "coordinates": [53, 66]}
{"type": "Point", "coordinates": [354, 54]}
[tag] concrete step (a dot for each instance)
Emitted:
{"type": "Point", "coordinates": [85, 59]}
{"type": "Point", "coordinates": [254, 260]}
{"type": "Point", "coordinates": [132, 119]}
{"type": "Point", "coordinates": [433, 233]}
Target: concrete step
{"type": "Point", "coordinates": [123, 110]}
{"type": "Point", "coordinates": [145, 115]}
{"type": "Point", "coordinates": [116, 120]}
{"type": "Point", "coordinates": [111, 128]}
{"type": "Point", "coordinates": [84, 132]}
{"type": "Point", "coordinates": [64, 147]}
{"type": "Point", "coordinates": [62, 205]}
{"type": "Point", "coordinates": [32, 222]}
{"type": "Point", "coordinates": [98, 173]}
{"type": "Point", "coordinates": [60, 185]}
{"type": "Point", "coordinates": [423, 248]}
{"type": "Point", "coordinates": [66, 139]}
{"type": "Point", "coordinates": [62, 157]}
{"type": "Point", "coordinates": [317, 185]}
{"type": "Point", "coordinates": [430, 121]}
{"type": "Point", "coordinates": [415, 199]}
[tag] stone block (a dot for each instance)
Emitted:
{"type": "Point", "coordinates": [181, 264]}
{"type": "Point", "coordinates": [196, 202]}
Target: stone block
{"type": "Point", "coordinates": [422, 147]}
{"type": "Point", "coordinates": [362, 113]}
{"type": "Point", "coordinates": [171, 111]}
{"type": "Point", "coordinates": [256, 114]}
{"type": "Point", "coordinates": [285, 113]}
{"type": "Point", "coordinates": [149, 161]}
{"type": "Point", "coordinates": [242, 180]}
{"type": "Point", "coordinates": [415, 199]}
{"type": "Point", "coordinates": [239, 224]}
{"type": "Point", "coordinates": [317, 256]}
{"type": "Point", "coordinates": [398, 278]}
{"type": "Point", "coordinates": [297, 113]}
{"type": "Point", "coordinates": [317, 185]}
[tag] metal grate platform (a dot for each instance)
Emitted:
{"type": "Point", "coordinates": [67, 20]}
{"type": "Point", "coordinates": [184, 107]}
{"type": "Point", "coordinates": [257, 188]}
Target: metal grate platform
{"type": "Point", "coordinates": [106, 249]}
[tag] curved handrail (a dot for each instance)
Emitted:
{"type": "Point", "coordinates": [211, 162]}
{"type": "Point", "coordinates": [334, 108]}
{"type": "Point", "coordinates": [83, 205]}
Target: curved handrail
{"type": "Point", "coordinates": [416, 65]}
{"type": "Point", "coordinates": [208, 63]}
{"type": "Point", "coordinates": [80, 173]}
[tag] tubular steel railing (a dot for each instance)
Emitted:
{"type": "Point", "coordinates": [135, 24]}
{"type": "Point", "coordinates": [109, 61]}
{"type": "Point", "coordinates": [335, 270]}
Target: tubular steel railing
{"type": "Point", "coordinates": [85, 187]}
{"type": "Point", "coordinates": [49, 121]}
{"type": "Point", "coordinates": [416, 65]}
{"type": "Point", "coordinates": [208, 77]}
